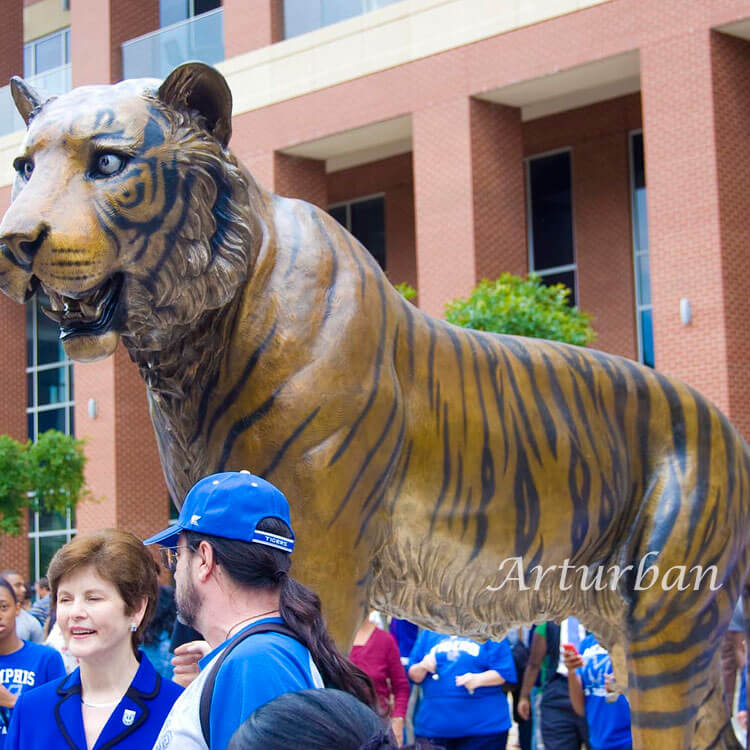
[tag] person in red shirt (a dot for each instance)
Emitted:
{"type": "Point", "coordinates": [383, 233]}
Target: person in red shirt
{"type": "Point", "coordinates": [376, 653]}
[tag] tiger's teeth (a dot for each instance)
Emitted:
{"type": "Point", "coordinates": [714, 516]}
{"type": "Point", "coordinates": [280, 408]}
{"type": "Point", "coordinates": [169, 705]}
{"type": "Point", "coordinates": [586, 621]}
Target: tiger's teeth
{"type": "Point", "coordinates": [89, 310]}
{"type": "Point", "coordinates": [57, 316]}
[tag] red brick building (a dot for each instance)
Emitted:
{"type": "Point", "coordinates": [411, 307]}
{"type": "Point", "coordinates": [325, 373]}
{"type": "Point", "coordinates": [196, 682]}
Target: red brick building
{"type": "Point", "coordinates": [603, 143]}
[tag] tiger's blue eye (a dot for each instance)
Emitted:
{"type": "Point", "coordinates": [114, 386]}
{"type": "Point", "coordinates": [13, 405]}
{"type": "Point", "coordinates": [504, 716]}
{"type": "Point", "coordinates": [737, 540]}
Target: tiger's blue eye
{"type": "Point", "coordinates": [27, 168]}
{"type": "Point", "coordinates": [108, 164]}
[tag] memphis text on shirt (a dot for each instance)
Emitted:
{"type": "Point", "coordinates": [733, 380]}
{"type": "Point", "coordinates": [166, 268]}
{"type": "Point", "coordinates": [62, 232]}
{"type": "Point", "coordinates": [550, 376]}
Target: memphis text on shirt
{"type": "Point", "coordinates": [598, 577]}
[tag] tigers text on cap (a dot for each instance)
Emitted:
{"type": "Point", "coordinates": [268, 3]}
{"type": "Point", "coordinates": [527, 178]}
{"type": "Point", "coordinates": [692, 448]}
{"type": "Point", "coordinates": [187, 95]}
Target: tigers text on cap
{"type": "Point", "coordinates": [230, 505]}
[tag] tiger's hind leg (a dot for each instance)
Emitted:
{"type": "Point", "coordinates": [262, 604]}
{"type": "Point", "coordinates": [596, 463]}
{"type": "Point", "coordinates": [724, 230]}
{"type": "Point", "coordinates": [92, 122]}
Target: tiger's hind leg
{"type": "Point", "coordinates": [675, 695]}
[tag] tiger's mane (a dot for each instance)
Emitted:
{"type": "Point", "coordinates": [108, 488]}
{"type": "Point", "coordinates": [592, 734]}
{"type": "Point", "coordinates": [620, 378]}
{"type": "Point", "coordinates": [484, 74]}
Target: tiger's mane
{"type": "Point", "coordinates": [177, 307]}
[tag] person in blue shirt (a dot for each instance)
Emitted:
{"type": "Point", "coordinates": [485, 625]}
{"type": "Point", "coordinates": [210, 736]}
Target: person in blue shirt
{"type": "Point", "coordinates": [607, 713]}
{"type": "Point", "coordinates": [230, 551]}
{"type": "Point", "coordinates": [463, 705]}
{"type": "Point", "coordinates": [23, 665]}
{"type": "Point", "coordinates": [104, 586]}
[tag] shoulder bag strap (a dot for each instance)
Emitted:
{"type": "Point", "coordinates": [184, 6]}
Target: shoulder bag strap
{"type": "Point", "coordinates": [208, 687]}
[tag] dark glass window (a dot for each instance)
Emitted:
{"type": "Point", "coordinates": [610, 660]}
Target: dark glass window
{"type": "Point", "coordinates": [368, 226]}
{"type": "Point", "coordinates": [53, 419]}
{"type": "Point", "coordinates": [551, 251]}
{"type": "Point", "coordinates": [551, 211]}
{"type": "Point", "coordinates": [365, 219]}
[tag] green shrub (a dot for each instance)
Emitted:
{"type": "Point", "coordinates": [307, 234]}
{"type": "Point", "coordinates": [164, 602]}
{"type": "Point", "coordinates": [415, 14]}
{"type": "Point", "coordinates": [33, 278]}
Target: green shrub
{"type": "Point", "coordinates": [522, 307]}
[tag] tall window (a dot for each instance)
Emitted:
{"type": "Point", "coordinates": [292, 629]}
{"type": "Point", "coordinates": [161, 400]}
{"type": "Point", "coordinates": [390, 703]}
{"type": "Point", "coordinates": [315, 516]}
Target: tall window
{"type": "Point", "coordinates": [49, 386]}
{"type": "Point", "coordinates": [550, 219]}
{"type": "Point", "coordinates": [365, 219]}
{"type": "Point", "coordinates": [46, 52]}
{"type": "Point", "coordinates": [643, 305]}
{"type": "Point", "coordinates": [301, 16]}
{"type": "Point", "coordinates": [174, 11]}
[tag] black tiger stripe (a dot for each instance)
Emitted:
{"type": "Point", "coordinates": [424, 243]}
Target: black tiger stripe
{"type": "Point", "coordinates": [446, 470]}
{"type": "Point", "coordinates": [238, 388]}
{"type": "Point", "coordinates": [331, 285]}
{"type": "Point", "coordinates": [243, 424]}
{"type": "Point", "coordinates": [380, 354]}
{"type": "Point", "coordinates": [279, 455]}
{"type": "Point", "coordinates": [519, 403]}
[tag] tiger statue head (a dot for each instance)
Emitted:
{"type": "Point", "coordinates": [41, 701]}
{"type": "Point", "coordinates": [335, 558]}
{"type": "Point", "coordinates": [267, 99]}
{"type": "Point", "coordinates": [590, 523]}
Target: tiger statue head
{"type": "Point", "coordinates": [125, 211]}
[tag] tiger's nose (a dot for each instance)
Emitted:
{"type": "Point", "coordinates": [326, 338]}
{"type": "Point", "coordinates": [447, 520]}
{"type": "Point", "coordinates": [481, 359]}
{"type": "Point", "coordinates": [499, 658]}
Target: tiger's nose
{"type": "Point", "coordinates": [21, 247]}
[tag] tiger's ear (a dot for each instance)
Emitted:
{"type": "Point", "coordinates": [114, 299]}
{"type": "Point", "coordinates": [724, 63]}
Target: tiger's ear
{"type": "Point", "coordinates": [200, 87]}
{"type": "Point", "coordinates": [27, 99]}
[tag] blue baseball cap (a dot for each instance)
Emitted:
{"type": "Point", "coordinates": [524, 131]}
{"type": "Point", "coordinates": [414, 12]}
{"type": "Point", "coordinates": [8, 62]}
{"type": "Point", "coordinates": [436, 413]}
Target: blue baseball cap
{"type": "Point", "coordinates": [230, 505]}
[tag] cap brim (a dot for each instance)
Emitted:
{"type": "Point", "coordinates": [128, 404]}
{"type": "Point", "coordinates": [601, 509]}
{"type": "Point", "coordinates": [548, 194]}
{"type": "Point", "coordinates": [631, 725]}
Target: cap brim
{"type": "Point", "coordinates": [167, 538]}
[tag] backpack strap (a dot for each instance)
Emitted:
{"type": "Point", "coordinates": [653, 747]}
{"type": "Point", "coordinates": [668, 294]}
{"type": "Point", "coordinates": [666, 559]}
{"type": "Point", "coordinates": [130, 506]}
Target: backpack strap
{"type": "Point", "coordinates": [208, 686]}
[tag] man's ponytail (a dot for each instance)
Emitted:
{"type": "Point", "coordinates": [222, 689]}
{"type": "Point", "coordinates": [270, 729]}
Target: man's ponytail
{"type": "Point", "coordinates": [301, 611]}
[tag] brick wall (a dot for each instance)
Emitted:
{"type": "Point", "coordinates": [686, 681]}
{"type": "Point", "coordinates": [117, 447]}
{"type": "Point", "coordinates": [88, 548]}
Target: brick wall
{"type": "Point", "coordinates": [443, 203]}
{"type": "Point", "coordinates": [497, 190]}
{"type": "Point", "coordinates": [295, 177]}
{"type": "Point", "coordinates": [730, 59]}
{"type": "Point", "coordinates": [598, 138]}
{"type": "Point", "coordinates": [142, 496]}
{"type": "Point", "coordinates": [683, 209]}
{"type": "Point", "coordinates": [11, 41]}
{"type": "Point", "coordinates": [98, 28]}
{"type": "Point", "coordinates": [250, 24]}
{"type": "Point", "coordinates": [392, 176]}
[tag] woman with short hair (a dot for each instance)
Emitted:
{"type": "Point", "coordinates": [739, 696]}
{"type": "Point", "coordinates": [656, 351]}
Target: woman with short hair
{"type": "Point", "coordinates": [104, 588]}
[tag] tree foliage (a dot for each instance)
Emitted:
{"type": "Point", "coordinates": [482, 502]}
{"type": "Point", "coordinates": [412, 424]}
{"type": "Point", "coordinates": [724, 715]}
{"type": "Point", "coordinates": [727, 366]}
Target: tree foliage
{"type": "Point", "coordinates": [46, 475]}
{"type": "Point", "coordinates": [407, 291]}
{"type": "Point", "coordinates": [522, 307]}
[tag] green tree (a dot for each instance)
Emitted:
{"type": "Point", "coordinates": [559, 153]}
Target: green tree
{"type": "Point", "coordinates": [407, 291]}
{"type": "Point", "coordinates": [522, 307]}
{"type": "Point", "coordinates": [46, 475]}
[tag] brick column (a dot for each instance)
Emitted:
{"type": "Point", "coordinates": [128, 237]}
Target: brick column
{"type": "Point", "coordinates": [731, 81]}
{"type": "Point", "coordinates": [697, 154]}
{"type": "Point", "coordinates": [469, 197]}
{"type": "Point", "coordinates": [604, 245]}
{"type": "Point", "coordinates": [11, 41]}
{"type": "Point", "coordinates": [295, 177]}
{"type": "Point", "coordinates": [13, 549]}
{"type": "Point", "coordinates": [97, 30]}
{"type": "Point", "coordinates": [123, 470]}
{"type": "Point", "coordinates": [250, 24]}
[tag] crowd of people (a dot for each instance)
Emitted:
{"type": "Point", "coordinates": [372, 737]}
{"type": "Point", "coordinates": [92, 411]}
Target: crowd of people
{"type": "Point", "coordinates": [98, 658]}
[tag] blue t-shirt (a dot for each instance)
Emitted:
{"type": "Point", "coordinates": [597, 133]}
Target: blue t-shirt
{"type": "Point", "coordinates": [259, 669]}
{"type": "Point", "coordinates": [30, 666]}
{"type": "Point", "coordinates": [609, 723]}
{"type": "Point", "coordinates": [448, 710]}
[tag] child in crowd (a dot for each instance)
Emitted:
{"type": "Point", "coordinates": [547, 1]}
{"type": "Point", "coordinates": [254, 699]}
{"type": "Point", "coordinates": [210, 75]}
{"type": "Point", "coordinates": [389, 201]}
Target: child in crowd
{"type": "Point", "coordinates": [591, 682]}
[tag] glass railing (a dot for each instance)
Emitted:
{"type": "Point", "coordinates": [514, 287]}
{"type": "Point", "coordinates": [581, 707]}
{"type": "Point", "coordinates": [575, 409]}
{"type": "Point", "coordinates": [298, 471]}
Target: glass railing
{"type": "Point", "coordinates": [154, 55]}
{"type": "Point", "coordinates": [54, 81]}
{"type": "Point", "coordinates": [301, 16]}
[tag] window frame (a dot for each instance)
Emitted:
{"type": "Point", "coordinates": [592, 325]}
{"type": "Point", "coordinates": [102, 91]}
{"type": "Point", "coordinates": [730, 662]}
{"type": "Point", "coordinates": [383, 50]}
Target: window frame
{"type": "Point", "coordinates": [33, 43]}
{"type": "Point", "coordinates": [639, 308]}
{"type": "Point", "coordinates": [530, 224]}
{"type": "Point", "coordinates": [36, 534]}
{"type": "Point", "coordinates": [348, 226]}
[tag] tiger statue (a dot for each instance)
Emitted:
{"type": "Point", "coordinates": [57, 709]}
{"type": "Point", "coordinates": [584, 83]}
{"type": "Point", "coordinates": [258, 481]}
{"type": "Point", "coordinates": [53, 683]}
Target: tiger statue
{"type": "Point", "coordinates": [419, 458]}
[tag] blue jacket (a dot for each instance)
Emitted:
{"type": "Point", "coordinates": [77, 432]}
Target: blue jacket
{"type": "Point", "coordinates": [50, 716]}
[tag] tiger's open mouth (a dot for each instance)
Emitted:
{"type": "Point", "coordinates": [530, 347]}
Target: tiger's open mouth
{"type": "Point", "coordinates": [90, 314]}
